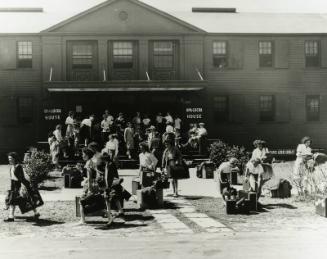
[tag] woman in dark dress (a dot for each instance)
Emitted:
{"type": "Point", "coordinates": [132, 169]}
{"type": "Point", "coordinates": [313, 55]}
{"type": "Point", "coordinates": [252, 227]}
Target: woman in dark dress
{"type": "Point", "coordinates": [170, 158]}
{"type": "Point", "coordinates": [114, 191]}
{"type": "Point", "coordinates": [17, 179]}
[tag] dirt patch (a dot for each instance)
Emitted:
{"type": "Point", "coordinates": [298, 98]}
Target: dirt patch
{"type": "Point", "coordinates": [58, 220]}
{"type": "Point", "coordinates": [275, 214]}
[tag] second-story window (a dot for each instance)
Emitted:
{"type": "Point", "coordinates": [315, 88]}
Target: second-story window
{"type": "Point", "coordinates": [163, 54]}
{"type": "Point", "coordinates": [82, 56]}
{"type": "Point", "coordinates": [265, 54]}
{"type": "Point", "coordinates": [24, 54]}
{"type": "Point", "coordinates": [312, 56]}
{"type": "Point", "coordinates": [219, 54]}
{"type": "Point", "coordinates": [313, 107]}
{"type": "Point", "coordinates": [123, 55]}
{"type": "Point", "coordinates": [267, 107]}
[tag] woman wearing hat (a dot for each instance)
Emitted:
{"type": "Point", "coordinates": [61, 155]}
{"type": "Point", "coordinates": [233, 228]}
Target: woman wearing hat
{"type": "Point", "coordinates": [261, 151]}
{"type": "Point", "coordinates": [303, 154]}
{"type": "Point", "coordinates": [171, 157]}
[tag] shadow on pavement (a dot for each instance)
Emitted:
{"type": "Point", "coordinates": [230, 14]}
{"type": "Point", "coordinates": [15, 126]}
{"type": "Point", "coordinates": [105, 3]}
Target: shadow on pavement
{"type": "Point", "coordinates": [119, 225]}
{"type": "Point", "coordinates": [48, 188]}
{"type": "Point", "coordinates": [137, 217]}
{"type": "Point", "coordinates": [279, 205]}
{"type": "Point", "coordinates": [40, 222]}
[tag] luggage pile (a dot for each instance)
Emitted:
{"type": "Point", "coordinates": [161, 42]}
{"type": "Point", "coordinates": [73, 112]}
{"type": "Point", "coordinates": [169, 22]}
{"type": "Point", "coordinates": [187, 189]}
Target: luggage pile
{"type": "Point", "coordinates": [72, 177]}
{"type": "Point", "coordinates": [149, 189]}
{"type": "Point", "coordinates": [243, 203]}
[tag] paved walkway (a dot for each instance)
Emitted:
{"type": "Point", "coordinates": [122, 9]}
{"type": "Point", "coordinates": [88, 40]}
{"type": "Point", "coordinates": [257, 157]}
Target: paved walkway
{"type": "Point", "coordinates": [171, 224]}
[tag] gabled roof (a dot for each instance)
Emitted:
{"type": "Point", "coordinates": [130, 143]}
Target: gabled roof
{"type": "Point", "coordinates": [109, 2]}
{"type": "Point", "coordinates": [251, 16]}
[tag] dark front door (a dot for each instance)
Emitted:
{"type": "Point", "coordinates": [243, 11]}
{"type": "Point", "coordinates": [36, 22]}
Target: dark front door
{"type": "Point", "coordinates": [82, 61]}
{"type": "Point", "coordinates": [123, 63]}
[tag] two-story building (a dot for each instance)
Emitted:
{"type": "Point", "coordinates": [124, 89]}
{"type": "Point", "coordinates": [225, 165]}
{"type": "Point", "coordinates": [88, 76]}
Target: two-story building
{"type": "Point", "coordinates": [246, 75]}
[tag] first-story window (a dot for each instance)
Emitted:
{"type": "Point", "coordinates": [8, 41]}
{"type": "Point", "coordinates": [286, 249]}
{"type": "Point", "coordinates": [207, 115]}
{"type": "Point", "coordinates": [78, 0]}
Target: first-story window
{"type": "Point", "coordinates": [25, 109]}
{"type": "Point", "coordinates": [123, 55]}
{"type": "Point", "coordinates": [313, 107]}
{"type": "Point", "coordinates": [265, 54]}
{"type": "Point", "coordinates": [220, 108]}
{"type": "Point", "coordinates": [219, 50]}
{"type": "Point", "coordinates": [24, 54]}
{"type": "Point", "coordinates": [267, 107]}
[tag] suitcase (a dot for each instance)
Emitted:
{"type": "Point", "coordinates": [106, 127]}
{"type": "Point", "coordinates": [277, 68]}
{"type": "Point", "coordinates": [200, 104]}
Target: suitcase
{"type": "Point", "coordinates": [205, 170]}
{"type": "Point", "coordinates": [321, 205]}
{"type": "Point", "coordinates": [98, 213]}
{"type": "Point", "coordinates": [162, 184]}
{"type": "Point", "coordinates": [231, 207]}
{"type": "Point", "coordinates": [135, 185]}
{"type": "Point", "coordinates": [93, 203]}
{"type": "Point", "coordinates": [233, 177]}
{"type": "Point", "coordinates": [149, 200]}
{"type": "Point", "coordinates": [251, 196]}
{"type": "Point", "coordinates": [283, 190]}
{"type": "Point", "coordinates": [243, 206]}
{"type": "Point", "coordinates": [72, 177]}
{"type": "Point", "coordinates": [147, 178]}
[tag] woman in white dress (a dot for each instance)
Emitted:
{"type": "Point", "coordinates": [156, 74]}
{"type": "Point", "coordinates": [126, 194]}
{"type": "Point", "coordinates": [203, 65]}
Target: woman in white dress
{"type": "Point", "coordinates": [262, 154]}
{"type": "Point", "coordinates": [303, 154]}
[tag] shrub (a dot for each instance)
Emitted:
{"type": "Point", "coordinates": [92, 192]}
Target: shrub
{"type": "Point", "coordinates": [38, 166]}
{"type": "Point", "coordinates": [221, 152]}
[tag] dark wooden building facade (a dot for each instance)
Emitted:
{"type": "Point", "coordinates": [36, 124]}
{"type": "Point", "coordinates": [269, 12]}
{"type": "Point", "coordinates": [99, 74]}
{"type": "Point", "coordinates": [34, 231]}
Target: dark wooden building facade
{"type": "Point", "coordinates": [127, 55]}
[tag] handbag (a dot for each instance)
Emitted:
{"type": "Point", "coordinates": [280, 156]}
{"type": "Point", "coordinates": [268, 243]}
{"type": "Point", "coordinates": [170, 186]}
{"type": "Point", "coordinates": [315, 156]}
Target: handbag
{"type": "Point", "coordinates": [29, 201]}
{"type": "Point", "coordinates": [179, 171]}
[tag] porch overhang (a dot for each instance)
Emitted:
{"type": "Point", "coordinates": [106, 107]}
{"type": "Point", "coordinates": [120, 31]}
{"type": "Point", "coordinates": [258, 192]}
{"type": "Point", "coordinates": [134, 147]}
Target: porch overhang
{"type": "Point", "coordinates": [126, 86]}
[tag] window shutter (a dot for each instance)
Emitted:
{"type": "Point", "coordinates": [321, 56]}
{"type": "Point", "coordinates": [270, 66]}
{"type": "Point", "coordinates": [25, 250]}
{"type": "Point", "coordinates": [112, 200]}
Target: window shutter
{"type": "Point", "coordinates": [235, 54]}
{"type": "Point", "coordinates": [8, 54]}
{"type": "Point", "coordinates": [8, 111]}
{"type": "Point", "coordinates": [282, 53]}
{"type": "Point", "coordinates": [323, 48]}
{"type": "Point", "coordinates": [236, 108]}
{"type": "Point", "coordinates": [282, 108]}
{"type": "Point", "coordinates": [323, 108]}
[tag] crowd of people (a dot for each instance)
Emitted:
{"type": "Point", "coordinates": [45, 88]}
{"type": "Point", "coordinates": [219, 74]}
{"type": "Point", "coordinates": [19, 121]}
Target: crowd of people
{"type": "Point", "coordinates": [158, 146]}
{"type": "Point", "coordinates": [258, 169]}
{"type": "Point", "coordinates": [122, 136]}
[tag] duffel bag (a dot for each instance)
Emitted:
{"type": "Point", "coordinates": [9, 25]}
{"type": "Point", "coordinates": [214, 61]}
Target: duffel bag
{"type": "Point", "coordinates": [29, 201]}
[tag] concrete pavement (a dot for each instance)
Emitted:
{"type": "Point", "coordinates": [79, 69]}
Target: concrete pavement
{"type": "Point", "coordinates": [288, 245]}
